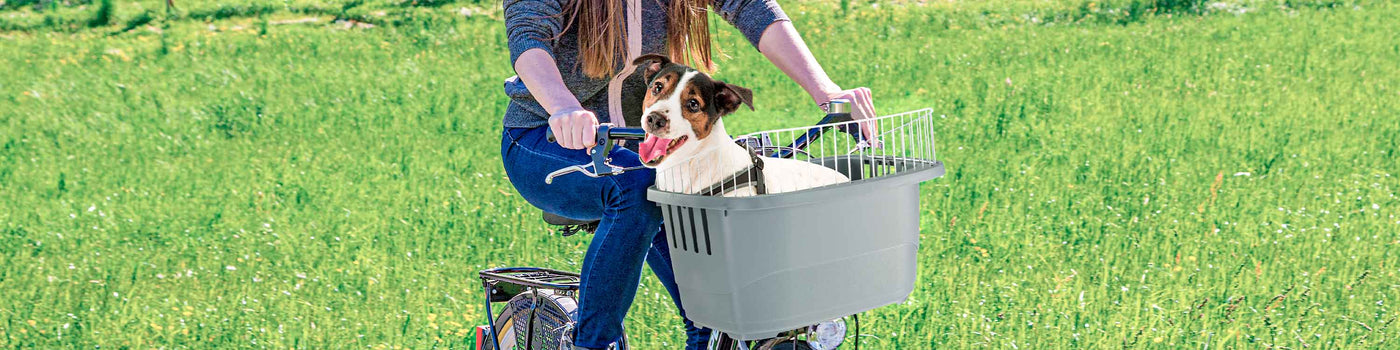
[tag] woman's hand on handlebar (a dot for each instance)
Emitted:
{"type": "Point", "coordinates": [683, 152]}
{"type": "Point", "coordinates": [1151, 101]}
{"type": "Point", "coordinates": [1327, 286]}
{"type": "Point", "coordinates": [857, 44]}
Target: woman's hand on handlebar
{"type": "Point", "coordinates": [862, 107]}
{"type": "Point", "coordinates": [575, 128]}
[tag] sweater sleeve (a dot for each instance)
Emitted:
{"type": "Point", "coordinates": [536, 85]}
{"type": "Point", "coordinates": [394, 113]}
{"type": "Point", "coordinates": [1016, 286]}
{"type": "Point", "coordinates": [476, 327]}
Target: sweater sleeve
{"type": "Point", "coordinates": [751, 17]}
{"type": "Point", "coordinates": [532, 24]}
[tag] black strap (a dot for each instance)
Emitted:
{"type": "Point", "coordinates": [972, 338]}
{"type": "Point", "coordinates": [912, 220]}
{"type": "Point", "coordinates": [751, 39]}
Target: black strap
{"type": "Point", "coordinates": [753, 174]}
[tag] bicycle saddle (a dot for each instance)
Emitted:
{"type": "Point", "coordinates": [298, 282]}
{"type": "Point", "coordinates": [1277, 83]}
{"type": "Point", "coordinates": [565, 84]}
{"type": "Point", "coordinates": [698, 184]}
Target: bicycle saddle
{"type": "Point", "coordinates": [570, 226]}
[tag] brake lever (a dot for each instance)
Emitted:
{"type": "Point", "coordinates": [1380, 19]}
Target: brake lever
{"type": "Point", "coordinates": [601, 165]}
{"type": "Point", "coordinates": [549, 179]}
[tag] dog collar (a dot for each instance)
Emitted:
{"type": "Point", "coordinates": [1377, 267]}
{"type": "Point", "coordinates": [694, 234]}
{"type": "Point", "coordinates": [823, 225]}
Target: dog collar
{"type": "Point", "coordinates": [751, 175]}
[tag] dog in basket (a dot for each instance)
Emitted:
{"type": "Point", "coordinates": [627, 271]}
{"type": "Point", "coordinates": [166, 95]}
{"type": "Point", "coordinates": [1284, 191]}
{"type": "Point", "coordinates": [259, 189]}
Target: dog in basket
{"type": "Point", "coordinates": [687, 144]}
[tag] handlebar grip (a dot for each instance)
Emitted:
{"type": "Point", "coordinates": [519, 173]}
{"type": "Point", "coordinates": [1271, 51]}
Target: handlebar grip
{"type": "Point", "coordinates": [549, 134]}
{"type": "Point", "coordinates": [626, 134]}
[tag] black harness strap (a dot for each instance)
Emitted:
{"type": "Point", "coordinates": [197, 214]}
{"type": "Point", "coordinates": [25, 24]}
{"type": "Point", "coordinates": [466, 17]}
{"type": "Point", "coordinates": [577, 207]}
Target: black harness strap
{"type": "Point", "coordinates": [751, 175]}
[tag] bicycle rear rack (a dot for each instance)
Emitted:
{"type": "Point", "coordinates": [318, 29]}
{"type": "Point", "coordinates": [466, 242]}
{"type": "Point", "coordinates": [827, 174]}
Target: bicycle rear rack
{"type": "Point", "coordinates": [502, 284]}
{"type": "Point", "coordinates": [533, 277]}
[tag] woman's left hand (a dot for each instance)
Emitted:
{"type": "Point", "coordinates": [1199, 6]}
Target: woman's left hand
{"type": "Point", "coordinates": [862, 107]}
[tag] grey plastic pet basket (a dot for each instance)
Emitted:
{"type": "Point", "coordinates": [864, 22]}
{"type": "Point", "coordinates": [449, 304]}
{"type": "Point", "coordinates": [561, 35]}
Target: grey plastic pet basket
{"type": "Point", "coordinates": [755, 266]}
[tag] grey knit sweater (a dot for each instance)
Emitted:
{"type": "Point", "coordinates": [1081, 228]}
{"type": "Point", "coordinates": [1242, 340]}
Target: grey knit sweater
{"type": "Point", "coordinates": [531, 23]}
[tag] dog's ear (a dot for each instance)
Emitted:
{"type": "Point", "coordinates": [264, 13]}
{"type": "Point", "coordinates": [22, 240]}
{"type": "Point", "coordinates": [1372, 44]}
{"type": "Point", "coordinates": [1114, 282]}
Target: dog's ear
{"type": "Point", "coordinates": [651, 63]}
{"type": "Point", "coordinates": [729, 96]}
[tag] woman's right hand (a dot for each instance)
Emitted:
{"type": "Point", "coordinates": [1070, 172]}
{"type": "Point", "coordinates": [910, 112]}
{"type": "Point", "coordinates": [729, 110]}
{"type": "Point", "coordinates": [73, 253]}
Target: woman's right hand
{"type": "Point", "coordinates": [574, 128]}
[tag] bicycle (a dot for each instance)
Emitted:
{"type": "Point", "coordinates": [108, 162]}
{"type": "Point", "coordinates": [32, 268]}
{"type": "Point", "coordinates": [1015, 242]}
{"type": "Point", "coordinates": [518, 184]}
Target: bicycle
{"type": "Point", "coordinates": [733, 281]}
{"type": "Point", "coordinates": [540, 302]}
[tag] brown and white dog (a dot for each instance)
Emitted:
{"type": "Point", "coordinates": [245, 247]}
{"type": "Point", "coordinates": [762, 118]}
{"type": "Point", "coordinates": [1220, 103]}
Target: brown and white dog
{"type": "Point", "coordinates": [687, 144]}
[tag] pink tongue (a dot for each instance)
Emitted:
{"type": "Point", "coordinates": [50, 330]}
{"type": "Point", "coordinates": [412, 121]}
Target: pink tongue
{"type": "Point", "coordinates": [654, 147]}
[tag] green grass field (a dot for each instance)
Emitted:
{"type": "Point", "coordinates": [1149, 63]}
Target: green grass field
{"type": "Point", "coordinates": [1121, 174]}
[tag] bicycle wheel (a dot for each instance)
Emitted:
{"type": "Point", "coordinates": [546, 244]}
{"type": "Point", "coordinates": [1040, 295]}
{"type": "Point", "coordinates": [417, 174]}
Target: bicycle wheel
{"type": "Point", "coordinates": [721, 341]}
{"type": "Point", "coordinates": [505, 331]}
{"type": "Point", "coordinates": [793, 345]}
{"type": "Point", "coordinates": [552, 321]}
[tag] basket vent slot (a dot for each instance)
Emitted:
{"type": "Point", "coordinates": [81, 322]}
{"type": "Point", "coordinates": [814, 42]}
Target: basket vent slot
{"type": "Point", "coordinates": [680, 226]}
{"type": "Point", "coordinates": [705, 227]}
{"type": "Point", "coordinates": [686, 229]}
{"type": "Point", "coordinates": [667, 223]}
{"type": "Point", "coordinates": [693, 237]}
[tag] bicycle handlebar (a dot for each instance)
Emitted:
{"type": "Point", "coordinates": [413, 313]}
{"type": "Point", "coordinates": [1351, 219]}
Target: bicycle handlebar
{"type": "Point", "coordinates": [607, 132]}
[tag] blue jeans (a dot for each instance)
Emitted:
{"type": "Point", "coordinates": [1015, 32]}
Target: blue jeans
{"type": "Point", "coordinates": [628, 233]}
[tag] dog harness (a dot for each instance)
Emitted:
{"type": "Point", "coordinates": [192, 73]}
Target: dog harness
{"type": "Point", "coordinates": [752, 175]}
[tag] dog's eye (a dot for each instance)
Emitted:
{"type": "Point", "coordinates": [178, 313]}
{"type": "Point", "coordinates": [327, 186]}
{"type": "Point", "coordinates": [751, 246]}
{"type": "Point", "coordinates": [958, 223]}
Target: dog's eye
{"type": "Point", "coordinates": [693, 105]}
{"type": "Point", "coordinates": [656, 89]}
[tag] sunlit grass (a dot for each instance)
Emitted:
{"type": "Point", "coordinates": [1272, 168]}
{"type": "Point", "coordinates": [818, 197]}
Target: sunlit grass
{"type": "Point", "coordinates": [1167, 182]}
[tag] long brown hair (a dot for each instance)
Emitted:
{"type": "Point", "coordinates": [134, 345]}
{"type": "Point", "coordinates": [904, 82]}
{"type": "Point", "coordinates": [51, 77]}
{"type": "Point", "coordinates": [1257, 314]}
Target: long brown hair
{"type": "Point", "coordinates": [603, 41]}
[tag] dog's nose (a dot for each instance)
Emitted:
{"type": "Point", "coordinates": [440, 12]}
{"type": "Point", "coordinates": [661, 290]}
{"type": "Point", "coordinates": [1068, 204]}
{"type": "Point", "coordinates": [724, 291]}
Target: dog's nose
{"type": "Point", "coordinates": [657, 121]}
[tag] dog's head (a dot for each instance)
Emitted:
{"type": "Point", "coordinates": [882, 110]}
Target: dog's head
{"type": "Point", "coordinates": [682, 107]}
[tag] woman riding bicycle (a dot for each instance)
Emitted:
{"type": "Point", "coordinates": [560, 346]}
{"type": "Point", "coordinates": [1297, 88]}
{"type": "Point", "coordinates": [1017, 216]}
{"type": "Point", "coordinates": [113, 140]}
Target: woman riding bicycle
{"type": "Point", "coordinates": [570, 57]}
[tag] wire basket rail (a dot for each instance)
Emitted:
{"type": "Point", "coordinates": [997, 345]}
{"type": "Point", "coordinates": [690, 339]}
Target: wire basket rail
{"type": "Point", "coordinates": [905, 143]}
{"type": "Point", "coordinates": [753, 266]}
